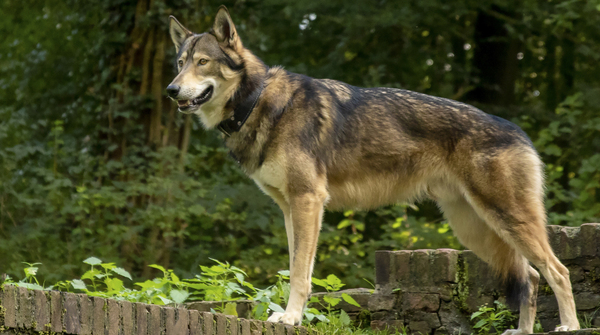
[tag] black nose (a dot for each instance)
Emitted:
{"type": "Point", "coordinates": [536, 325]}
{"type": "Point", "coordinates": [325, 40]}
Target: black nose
{"type": "Point", "coordinates": [173, 90]}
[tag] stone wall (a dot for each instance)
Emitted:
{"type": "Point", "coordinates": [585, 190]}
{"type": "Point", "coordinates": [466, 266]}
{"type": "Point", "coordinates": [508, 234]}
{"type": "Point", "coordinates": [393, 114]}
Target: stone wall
{"type": "Point", "coordinates": [436, 291]}
{"type": "Point", "coordinates": [25, 311]}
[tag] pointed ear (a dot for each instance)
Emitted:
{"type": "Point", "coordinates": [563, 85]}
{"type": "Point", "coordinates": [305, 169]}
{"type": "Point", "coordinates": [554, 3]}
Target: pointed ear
{"type": "Point", "coordinates": [224, 28]}
{"type": "Point", "coordinates": [178, 32]}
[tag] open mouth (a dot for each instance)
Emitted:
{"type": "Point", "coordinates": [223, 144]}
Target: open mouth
{"type": "Point", "coordinates": [187, 105]}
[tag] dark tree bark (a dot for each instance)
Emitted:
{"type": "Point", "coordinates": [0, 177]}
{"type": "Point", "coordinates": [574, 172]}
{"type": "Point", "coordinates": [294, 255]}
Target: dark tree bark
{"type": "Point", "coordinates": [495, 60]}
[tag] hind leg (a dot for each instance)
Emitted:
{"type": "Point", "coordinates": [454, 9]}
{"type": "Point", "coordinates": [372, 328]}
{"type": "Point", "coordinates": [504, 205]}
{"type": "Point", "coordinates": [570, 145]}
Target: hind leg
{"type": "Point", "coordinates": [508, 195]}
{"type": "Point", "coordinates": [476, 235]}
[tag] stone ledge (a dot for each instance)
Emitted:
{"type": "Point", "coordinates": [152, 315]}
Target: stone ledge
{"type": "Point", "coordinates": [24, 311]}
{"type": "Point", "coordinates": [414, 286]}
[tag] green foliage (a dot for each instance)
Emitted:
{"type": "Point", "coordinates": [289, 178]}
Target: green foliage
{"type": "Point", "coordinates": [221, 282]}
{"type": "Point", "coordinates": [497, 318]}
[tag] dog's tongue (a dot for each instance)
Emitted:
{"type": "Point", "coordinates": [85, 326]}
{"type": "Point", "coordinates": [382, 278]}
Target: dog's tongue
{"type": "Point", "coordinates": [183, 103]}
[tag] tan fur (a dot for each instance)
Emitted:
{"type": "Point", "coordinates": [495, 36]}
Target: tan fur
{"type": "Point", "coordinates": [311, 144]}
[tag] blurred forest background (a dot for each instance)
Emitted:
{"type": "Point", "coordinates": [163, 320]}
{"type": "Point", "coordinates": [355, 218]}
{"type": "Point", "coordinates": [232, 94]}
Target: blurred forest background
{"type": "Point", "coordinates": [95, 161]}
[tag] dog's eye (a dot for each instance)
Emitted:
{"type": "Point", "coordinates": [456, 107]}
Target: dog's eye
{"type": "Point", "coordinates": [180, 62]}
{"type": "Point", "coordinates": [203, 61]}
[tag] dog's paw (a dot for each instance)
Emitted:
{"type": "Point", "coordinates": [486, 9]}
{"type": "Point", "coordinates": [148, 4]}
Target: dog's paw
{"type": "Point", "coordinates": [564, 328]}
{"type": "Point", "coordinates": [515, 332]}
{"type": "Point", "coordinates": [287, 318]}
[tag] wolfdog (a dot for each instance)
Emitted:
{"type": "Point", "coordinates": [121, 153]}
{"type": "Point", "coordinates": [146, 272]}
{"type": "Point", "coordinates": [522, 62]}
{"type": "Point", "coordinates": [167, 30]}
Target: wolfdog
{"type": "Point", "coordinates": [312, 144]}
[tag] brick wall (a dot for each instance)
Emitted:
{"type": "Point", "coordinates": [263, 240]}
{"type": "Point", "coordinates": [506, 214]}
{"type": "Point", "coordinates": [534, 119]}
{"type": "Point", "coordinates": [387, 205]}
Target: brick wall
{"type": "Point", "coordinates": [25, 311]}
{"type": "Point", "coordinates": [436, 291]}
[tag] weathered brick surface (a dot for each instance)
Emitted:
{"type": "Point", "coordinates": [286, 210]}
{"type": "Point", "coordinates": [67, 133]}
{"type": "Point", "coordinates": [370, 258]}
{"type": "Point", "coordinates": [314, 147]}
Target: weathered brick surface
{"type": "Point", "coordinates": [209, 323]}
{"type": "Point", "coordinates": [25, 308]}
{"type": "Point", "coordinates": [42, 311]}
{"type": "Point", "coordinates": [155, 320]}
{"type": "Point", "coordinates": [9, 302]}
{"type": "Point", "coordinates": [71, 317]}
{"type": "Point", "coordinates": [141, 319]}
{"type": "Point", "coordinates": [177, 321]}
{"type": "Point", "coordinates": [56, 311]}
{"type": "Point", "coordinates": [86, 314]}
{"type": "Point", "coordinates": [127, 317]}
{"type": "Point", "coordinates": [99, 315]}
{"type": "Point", "coordinates": [114, 317]}
{"type": "Point", "coordinates": [445, 286]}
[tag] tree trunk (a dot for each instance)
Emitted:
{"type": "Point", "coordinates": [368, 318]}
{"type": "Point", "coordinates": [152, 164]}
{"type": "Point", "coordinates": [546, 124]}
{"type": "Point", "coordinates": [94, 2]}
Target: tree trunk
{"type": "Point", "coordinates": [495, 60]}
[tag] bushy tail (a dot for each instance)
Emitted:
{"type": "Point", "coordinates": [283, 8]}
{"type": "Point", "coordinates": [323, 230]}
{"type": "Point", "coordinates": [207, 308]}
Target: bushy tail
{"type": "Point", "coordinates": [514, 271]}
{"type": "Point", "coordinates": [517, 290]}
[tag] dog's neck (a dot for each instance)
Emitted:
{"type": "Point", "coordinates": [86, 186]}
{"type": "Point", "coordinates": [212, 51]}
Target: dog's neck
{"type": "Point", "coordinates": [242, 102]}
{"type": "Point", "coordinates": [245, 96]}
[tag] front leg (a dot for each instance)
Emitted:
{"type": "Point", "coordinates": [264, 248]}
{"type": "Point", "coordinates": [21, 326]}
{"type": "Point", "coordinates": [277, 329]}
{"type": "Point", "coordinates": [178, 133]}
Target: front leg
{"type": "Point", "coordinates": [306, 211]}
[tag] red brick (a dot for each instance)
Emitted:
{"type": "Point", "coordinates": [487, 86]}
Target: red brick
{"type": "Point", "coordinates": [279, 329]}
{"type": "Point", "coordinates": [9, 302]}
{"type": "Point", "coordinates": [127, 317]}
{"type": "Point", "coordinates": [154, 320]}
{"type": "Point", "coordinates": [85, 314]}
{"type": "Point", "coordinates": [42, 311]}
{"type": "Point", "coordinates": [421, 302]}
{"type": "Point", "coordinates": [382, 268]}
{"type": "Point", "coordinates": [141, 319]}
{"type": "Point", "coordinates": [421, 268]}
{"type": "Point", "coordinates": [25, 309]}
{"type": "Point", "coordinates": [195, 326]}
{"type": "Point", "coordinates": [177, 321]}
{"type": "Point", "coordinates": [56, 311]}
{"type": "Point", "coordinates": [71, 319]}
{"type": "Point", "coordinates": [221, 324]}
{"type": "Point", "coordinates": [209, 323]}
{"type": "Point", "coordinates": [114, 316]}
{"type": "Point", "coordinates": [99, 315]}
{"type": "Point", "coordinates": [245, 327]}
{"type": "Point", "coordinates": [589, 238]}
{"type": "Point", "coordinates": [256, 327]}
{"type": "Point", "coordinates": [400, 268]}
{"type": "Point", "coordinates": [290, 330]}
{"type": "Point", "coordinates": [268, 328]}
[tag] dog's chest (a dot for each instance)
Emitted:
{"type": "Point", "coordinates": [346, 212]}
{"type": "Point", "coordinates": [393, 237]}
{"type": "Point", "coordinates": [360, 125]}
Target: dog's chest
{"type": "Point", "coordinates": [271, 174]}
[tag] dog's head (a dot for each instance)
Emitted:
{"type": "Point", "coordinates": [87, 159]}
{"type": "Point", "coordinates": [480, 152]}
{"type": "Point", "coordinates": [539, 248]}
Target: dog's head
{"type": "Point", "coordinates": [210, 68]}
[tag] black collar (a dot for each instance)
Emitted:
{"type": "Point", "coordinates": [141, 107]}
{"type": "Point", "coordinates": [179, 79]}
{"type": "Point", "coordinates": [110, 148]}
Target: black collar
{"type": "Point", "coordinates": [241, 113]}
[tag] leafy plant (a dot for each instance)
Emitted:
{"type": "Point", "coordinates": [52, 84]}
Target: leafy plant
{"type": "Point", "coordinates": [498, 318]}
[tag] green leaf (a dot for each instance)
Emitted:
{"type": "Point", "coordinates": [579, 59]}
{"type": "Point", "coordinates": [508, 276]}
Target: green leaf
{"type": "Point", "coordinates": [122, 272]}
{"type": "Point", "coordinates": [476, 314]}
{"type": "Point", "coordinates": [108, 266]}
{"type": "Point", "coordinates": [156, 266]}
{"type": "Point", "coordinates": [480, 324]}
{"type": "Point", "coordinates": [29, 286]}
{"type": "Point", "coordinates": [276, 308]}
{"type": "Point", "coordinates": [331, 300]}
{"type": "Point", "coordinates": [114, 284]}
{"type": "Point", "coordinates": [91, 274]}
{"type": "Point", "coordinates": [344, 224]}
{"type": "Point", "coordinates": [334, 281]}
{"type": "Point", "coordinates": [30, 271]}
{"type": "Point", "coordinates": [350, 300]}
{"type": "Point", "coordinates": [78, 284]}
{"type": "Point", "coordinates": [92, 261]}
{"type": "Point", "coordinates": [230, 309]}
{"type": "Point", "coordinates": [344, 318]}
{"type": "Point", "coordinates": [319, 282]}
{"type": "Point", "coordinates": [179, 296]}
{"type": "Point", "coordinates": [164, 300]}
